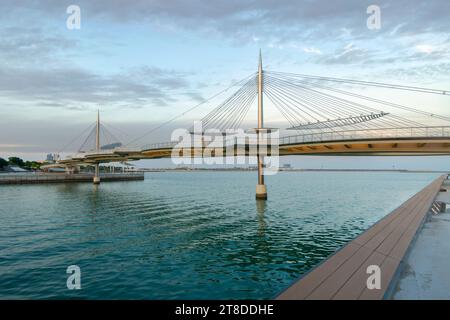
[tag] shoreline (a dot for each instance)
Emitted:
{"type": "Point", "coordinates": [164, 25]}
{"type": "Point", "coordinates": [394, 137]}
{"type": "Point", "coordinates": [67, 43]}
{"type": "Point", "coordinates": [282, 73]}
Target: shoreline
{"type": "Point", "coordinates": [47, 178]}
{"type": "Point", "coordinates": [230, 169]}
{"type": "Point", "coordinates": [293, 170]}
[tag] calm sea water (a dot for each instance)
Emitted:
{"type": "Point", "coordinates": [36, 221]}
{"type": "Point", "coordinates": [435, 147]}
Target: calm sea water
{"type": "Point", "coordinates": [185, 235]}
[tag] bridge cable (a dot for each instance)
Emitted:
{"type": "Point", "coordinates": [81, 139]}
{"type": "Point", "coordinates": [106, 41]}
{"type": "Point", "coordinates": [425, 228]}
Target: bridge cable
{"type": "Point", "coordinates": [228, 103]}
{"type": "Point", "coordinates": [76, 137]}
{"type": "Point", "coordinates": [231, 105]}
{"type": "Point", "coordinates": [401, 119]}
{"type": "Point", "coordinates": [367, 83]}
{"type": "Point", "coordinates": [225, 120]}
{"type": "Point", "coordinates": [190, 109]}
{"type": "Point", "coordinates": [314, 99]}
{"type": "Point", "coordinates": [394, 105]}
{"type": "Point", "coordinates": [356, 95]}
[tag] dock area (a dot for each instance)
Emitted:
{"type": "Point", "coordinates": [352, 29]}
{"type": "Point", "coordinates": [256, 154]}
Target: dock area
{"type": "Point", "coordinates": [37, 178]}
{"type": "Point", "coordinates": [386, 245]}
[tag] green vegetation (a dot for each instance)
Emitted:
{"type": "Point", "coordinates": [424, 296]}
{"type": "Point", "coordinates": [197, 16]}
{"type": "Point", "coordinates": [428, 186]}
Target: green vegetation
{"type": "Point", "coordinates": [18, 162]}
{"type": "Point", "coordinates": [3, 163]}
{"type": "Point", "coordinates": [15, 161]}
{"type": "Point", "coordinates": [32, 165]}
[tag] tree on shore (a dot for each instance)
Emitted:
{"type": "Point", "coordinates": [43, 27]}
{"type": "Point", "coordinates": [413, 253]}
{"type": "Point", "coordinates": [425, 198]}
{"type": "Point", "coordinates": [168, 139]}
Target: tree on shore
{"type": "Point", "coordinates": [16, 161]}
{"type": "Point", "coordinates": [32, 165]}
{"type": "Point", "coordinates": [3, 163]}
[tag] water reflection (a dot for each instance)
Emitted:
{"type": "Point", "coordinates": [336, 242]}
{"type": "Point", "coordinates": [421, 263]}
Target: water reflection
{"type": "Point", "coordinates": [261, 207]}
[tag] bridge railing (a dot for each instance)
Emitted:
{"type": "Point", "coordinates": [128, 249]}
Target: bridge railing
{"type": "Point", "coordinates": [82, 155]}
{"type": "Point", "coordinates": [227, 141]}
{"type": "Point", "coordinates": [407, 132]}
{"type": "Point", "coordinates": [160, 145]}
{"type": "Point", "coordinates": [355, 134]}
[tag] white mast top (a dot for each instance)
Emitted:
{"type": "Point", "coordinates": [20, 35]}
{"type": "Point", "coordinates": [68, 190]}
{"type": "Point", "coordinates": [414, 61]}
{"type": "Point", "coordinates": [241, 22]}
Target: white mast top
{"type": "Point", "coordinates": [260, 93]}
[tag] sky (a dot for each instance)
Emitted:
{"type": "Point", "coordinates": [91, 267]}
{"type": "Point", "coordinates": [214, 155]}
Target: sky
{"type": "Point", "coordinates": [142, 63]}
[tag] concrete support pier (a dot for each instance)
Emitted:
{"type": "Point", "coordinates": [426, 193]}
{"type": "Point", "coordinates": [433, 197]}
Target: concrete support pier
{"type": "Point", "coordinates": [97, 174]}
{"type": "Point", "coordinates": [261, 192]}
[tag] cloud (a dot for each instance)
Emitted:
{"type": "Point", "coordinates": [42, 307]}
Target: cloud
{"type": "Point", "coordinates": [245, 20]}
{"type": "Point", "coordinates": [350, 54]}
{"type": "Point", "coordinates": [266, 22]}
{"type": "Point", "coordinates": [431, 72]}
{"type": "Point", "coordinates": [435, 51]}
{"type": "Point", "coordinates": [26, 45]}
{"type": "Point", "coordinates": [312, 50]}
{"type": "Point", "coordinates": [424, 48]}
{"type": "Point", "coordinates": [195, 96]}
{"type": "Point", "coordinates": [70, 88]}
{"type": "Point", "coordinates": [13, 146]}
{"type": "Point", "coordinates": [39, 66]}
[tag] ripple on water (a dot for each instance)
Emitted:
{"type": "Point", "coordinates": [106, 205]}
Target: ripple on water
{"type": "Point", "coordinates": [185, 235]}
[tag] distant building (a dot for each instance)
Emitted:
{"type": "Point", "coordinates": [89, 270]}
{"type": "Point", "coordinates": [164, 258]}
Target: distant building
{"type": "Point", "coordinates": [52, 157]}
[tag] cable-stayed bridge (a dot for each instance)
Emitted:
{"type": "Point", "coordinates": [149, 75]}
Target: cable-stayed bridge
{"type": "Point", "coordinates": [322, 116]}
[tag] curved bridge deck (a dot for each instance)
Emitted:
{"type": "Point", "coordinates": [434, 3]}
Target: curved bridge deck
{"type": "Point", "coordinates": [385, 244]}
{"type": "Point", "coordinates": [387, 141]}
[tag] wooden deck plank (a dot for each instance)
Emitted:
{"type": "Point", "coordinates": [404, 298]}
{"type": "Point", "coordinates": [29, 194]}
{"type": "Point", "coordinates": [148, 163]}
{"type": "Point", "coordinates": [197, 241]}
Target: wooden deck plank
{"type": "Point", "coordinates": [302, 288]}
{"type": "Point", "coordinates": [388, 269]}
{"type": "Point", "coordinates": [337, 279]}
{"type": "Point", "coordinates": [366, 236]}
{"type": "Point", "coordinates": [400, 248]}
{"type": "Point", "coordinates": [343, 275]}
{"type": "Point", "coordinates": [392, 239]}
{"type": "Point", "coordinates": [354, 287]}
{"type": "Point", "coordinates": [376, 241]}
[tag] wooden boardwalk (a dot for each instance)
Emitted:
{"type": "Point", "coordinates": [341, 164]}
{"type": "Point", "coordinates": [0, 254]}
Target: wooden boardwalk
{"type": "Point", "coordinates": [343, 275]}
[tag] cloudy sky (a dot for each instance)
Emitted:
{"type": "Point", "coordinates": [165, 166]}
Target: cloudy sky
{"type": "Point", "coordinates": [144, 62]}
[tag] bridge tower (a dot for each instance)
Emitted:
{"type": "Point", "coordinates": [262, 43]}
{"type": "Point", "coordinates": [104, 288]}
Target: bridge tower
{"type": "Point", "coordinates": [97, 147]}
{"type": "Point", "coordinates": [261, 190]}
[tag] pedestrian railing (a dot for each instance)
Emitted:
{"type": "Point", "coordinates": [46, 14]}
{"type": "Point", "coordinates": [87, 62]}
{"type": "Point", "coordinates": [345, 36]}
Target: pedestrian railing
{"type": "Point", "coordinates": [323, 136]}
{"type": "Point", "coordinates": [409, 132]}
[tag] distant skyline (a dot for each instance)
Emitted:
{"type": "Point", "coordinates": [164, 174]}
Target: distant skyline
{"type": "Point", "coordinates": [143, 62]}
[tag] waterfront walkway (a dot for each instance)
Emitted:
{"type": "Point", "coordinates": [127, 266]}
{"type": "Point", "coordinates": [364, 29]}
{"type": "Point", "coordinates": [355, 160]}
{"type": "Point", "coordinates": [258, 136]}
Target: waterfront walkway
{"type": "Point", "coordinates": [344, 275]}
{"type": "Point", "coordinates": [425, 273]}
{"type": "Point", "coordinates": [36, 178]}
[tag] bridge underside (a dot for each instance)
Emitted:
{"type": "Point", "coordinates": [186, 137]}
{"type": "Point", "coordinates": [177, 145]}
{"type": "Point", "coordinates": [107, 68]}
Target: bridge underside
{"type": "Point", "coordinates": [371, 147]}
{"type": "Point", "coordinates": [368, 147]}
{"type": "Point", "coordinates": [365, 147]}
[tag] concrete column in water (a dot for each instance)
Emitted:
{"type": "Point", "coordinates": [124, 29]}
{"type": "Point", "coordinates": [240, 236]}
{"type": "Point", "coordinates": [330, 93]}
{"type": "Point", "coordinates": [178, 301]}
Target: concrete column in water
{"type": "Point", "coordinates": [261, 190]}
{"type": "Point", "coordinates": [97, 174]}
